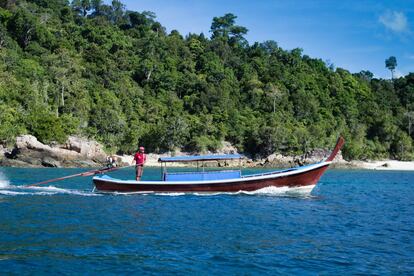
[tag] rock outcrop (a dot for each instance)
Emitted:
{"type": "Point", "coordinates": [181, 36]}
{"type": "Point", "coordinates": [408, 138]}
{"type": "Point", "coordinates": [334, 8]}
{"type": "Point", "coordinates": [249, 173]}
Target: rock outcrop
{"type": "Point", "coordinates": [76, 152]}
{"type": "Point", "coordinates": [314, 156]}
{"type": "Point", "coordinates": [227, 148]}
{"type": "Point", "coordinates": [86, 148]}
{"type": "Point", "coordinates": [81, 152]}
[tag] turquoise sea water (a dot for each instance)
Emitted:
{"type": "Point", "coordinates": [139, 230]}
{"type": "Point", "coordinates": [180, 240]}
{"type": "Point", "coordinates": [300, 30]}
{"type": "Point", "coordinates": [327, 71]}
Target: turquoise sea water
{"type": "Point", "coordinates": [354, 222]}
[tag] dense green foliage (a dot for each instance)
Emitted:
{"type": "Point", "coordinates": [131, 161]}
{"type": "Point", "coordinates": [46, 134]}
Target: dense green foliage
{"type": "Point", "coordinates": [97, 70]}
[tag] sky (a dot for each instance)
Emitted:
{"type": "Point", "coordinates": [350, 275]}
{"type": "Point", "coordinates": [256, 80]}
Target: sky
{"type": "Point", "coordinates": [352, 34]}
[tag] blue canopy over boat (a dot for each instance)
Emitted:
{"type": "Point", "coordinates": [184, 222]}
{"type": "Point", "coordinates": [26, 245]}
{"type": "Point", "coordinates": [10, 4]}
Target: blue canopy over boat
{"type": "Point", "coordinates": [194, 158]}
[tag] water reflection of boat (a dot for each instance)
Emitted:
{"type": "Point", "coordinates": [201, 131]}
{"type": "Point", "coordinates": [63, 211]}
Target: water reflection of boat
{"type": "Point", "coordinates": [304, 177]}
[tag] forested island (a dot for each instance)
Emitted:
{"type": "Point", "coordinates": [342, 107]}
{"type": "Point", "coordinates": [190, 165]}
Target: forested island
{"type": "Point", "coordinates": [100, 71]}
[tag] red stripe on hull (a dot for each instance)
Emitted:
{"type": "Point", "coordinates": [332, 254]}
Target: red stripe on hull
{"type": "Point", "coordinates": [295, 180]}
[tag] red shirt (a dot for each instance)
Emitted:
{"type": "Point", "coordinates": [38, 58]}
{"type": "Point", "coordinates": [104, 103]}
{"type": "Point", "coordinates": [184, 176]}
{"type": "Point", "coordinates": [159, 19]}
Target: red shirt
{"type": "Point", "coordinates": [140, 158]}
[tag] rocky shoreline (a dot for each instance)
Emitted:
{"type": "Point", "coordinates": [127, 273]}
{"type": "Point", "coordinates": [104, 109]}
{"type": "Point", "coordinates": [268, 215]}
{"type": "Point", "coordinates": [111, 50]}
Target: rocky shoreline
{"type": "Point", "coordinates": [76, 152]}
{"type": "Point", "coordinates": [82, 153]}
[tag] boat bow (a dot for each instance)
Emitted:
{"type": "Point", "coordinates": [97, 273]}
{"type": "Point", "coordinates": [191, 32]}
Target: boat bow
{"type": "Point", "coordinates": [339, 144]}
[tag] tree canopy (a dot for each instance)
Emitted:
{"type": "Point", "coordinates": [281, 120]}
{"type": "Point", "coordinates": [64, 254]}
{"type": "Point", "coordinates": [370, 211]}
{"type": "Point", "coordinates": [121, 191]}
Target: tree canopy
{"type": "Point", "coordinates": [391, 64]}
{"type": "Point", "coordinates": [99, 70]}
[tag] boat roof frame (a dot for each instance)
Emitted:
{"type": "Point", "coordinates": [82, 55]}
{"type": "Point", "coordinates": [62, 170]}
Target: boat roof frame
{"type": "Point", "coordinates": [197, 158]}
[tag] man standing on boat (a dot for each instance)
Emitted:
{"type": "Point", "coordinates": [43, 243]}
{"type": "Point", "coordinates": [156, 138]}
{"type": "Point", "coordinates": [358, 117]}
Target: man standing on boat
{"type": "Point", "coordinates": [139, 159]}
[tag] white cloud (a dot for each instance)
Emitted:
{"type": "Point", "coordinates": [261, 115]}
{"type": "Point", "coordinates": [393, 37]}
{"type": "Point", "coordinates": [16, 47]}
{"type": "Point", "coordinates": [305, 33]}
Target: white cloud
{"type": "Point", "coordinates": [395, 21]}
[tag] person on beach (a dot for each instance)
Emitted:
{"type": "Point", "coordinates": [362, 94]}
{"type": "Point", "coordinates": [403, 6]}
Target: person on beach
{"type": "Point", "coordinates": [139, 159]}
{"type": "Point", "coordinates": [111, 161]}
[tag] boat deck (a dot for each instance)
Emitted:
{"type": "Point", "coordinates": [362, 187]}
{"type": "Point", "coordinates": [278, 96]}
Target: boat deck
{"type": "Point", "coordinates": [199, 176]}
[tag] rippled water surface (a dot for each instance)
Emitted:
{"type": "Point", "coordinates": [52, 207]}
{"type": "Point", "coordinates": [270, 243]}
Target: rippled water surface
{"type": "Point", "coordinates": [353, 222]}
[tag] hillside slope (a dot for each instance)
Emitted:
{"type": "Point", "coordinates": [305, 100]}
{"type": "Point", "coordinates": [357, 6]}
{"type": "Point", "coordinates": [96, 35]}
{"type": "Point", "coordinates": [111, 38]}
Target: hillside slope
{"type": "Point", "coordinates": [116, 76]}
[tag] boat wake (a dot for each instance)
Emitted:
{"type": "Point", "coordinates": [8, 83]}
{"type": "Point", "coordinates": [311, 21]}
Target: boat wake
{"type": "Point", "coordinates": [268, 191]}
{"type": "Point", "coordinates": [8, 189]}
{"type": "Point", "coordinates": [271, 191]}
{"type": "Point", "coordinates": [282, 191]}
{"type": "Point", "coordinates": [4, 182]}
{"type": "Point", "coordinates": [13, 190]}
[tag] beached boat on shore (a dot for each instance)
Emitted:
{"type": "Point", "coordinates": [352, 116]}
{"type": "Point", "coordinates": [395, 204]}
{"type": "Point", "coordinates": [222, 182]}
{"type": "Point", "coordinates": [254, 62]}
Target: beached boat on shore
{"type": "Point", "coordinates": [304, 177]}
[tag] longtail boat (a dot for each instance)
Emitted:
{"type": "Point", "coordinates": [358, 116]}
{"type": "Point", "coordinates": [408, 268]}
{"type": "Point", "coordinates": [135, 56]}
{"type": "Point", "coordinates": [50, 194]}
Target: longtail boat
{"type": "Point", "coordinates": [303, 177]}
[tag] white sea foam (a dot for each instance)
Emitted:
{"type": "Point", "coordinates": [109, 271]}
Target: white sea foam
{"type": "Point", "coordinates": [55, 190]}
{"type": "Point", "coordinates": [122, 193]}
{"type": "Point", "coordinates": [267, 191]}
{"type": "Point", "coordinates": [13, 190]}
{"type": "Point", "coordinates": [276, 191]}
{"type": "Point", "coordinates": [170, 194]}
{"type": "Point", "coordinates": [7, 192]}
{"type": "Point", "coordinates": [4, 182]}
{"type": "Point", "coordinates": [15, 193]}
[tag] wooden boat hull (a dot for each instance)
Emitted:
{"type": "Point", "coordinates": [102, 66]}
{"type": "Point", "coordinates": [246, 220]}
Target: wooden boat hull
{"type": "Point", "coordinates": [295, 179]}
{"type": "Point", "coordinates": [306, 176]}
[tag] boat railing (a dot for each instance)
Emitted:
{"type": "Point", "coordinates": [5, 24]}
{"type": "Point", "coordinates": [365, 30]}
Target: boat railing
{"type": "Point", "coordinates": [282, 171]}
{"type": "Point", "coordinates": [269, 173]}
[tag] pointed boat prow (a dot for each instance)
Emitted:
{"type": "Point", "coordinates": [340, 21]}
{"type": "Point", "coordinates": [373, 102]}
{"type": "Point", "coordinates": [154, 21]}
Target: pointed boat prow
{"type": "Point", "coordinates": [339, 144]}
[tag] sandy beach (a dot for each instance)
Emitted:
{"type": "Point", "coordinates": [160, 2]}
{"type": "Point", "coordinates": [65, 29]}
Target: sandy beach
{"type": "Point", "coordinates": [391, 165]}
